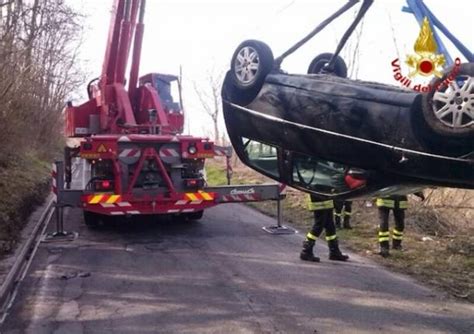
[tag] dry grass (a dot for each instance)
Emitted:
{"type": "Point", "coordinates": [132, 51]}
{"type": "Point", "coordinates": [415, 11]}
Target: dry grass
{"type": "Point", "coordinates": [444, 261]}
{"type": "Point", "coordinates": [24, 183]}
{"type": "Point", "coordinates": [439, 242]}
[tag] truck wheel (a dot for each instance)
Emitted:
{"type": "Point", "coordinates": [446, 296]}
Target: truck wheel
{"type": "Point", "coordinates": [195, 215]}
{"type": "Point", "coordinates": [91, 219]}
{"type": "Point", "coordinates": [449, 110]}
{"type": "Point", "coordinates": [251, 63]}
{"type": "Point", "coordinates": [319, 62]}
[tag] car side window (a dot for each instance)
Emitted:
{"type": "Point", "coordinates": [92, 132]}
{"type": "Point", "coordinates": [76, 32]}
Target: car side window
{"type": "Point", "coordinates": [262, 156]}
{"type": "Point", "coordinates": [319, 175]}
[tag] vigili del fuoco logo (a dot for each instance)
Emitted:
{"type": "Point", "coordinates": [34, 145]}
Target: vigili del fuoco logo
{"type": "Point", "coordinates": [426, 62]}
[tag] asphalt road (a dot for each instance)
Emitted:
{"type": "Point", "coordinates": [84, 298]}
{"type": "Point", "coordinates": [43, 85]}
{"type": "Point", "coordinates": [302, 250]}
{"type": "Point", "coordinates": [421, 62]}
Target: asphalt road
{"type": "Point", "coordinates": [220, 275]}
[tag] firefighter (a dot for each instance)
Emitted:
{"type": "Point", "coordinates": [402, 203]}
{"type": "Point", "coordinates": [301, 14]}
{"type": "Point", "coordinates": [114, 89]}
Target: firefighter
{"type": "Point", "coordinates": [343, 211]}
{"type": "Point", "coordinates": [323, 219]}
{"type": "Point", "coordinates": [398, 204]}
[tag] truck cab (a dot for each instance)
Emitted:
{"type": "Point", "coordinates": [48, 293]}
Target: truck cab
{"type": "Point", "coordinates": [168, 87]}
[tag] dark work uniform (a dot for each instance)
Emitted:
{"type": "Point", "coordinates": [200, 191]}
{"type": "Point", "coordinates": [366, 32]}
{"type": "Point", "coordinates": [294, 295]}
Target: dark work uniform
{"type": "Point", "coordinates": [398, 204]}
{"type": "Point", "coordinates": [323, 220]}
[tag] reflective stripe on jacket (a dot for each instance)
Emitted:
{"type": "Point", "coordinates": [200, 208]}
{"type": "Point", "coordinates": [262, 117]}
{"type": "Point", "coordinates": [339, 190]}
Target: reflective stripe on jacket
{"type": "Point", "coordinates": [320, 205]}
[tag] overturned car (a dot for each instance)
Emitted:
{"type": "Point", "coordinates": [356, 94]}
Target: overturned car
{"type": "Point", "coordinates": [341, 138]}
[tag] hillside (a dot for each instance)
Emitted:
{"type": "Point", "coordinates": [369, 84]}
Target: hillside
{"type": "Point", "coordinates": [38, 70]}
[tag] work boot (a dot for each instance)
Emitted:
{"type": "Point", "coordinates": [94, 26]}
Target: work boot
{"type": "Point", "coordinates": [384, 249]}
{"type": "Point", "coordinates": [307, 252]}
{"type": "Point", "coordinates": [347, 223]}
{"type": "Point", "coordinates": [334, 251]}
{"type": "Point", "coordinates": [397, 244]}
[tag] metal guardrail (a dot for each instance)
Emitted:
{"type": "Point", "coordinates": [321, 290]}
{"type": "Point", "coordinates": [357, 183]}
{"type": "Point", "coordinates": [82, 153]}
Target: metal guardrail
{"type": "Point", "coordinates": [9, 287]}
{"type": "Point", "coordinates": [18, 271]}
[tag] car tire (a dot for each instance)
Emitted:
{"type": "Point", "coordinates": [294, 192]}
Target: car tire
{"type": "Point", "coordinates": [449, 111]}
{"type": "Point", "coordinates": [320, 61]}
{"type": "Point", "coordinates": [251, 63]}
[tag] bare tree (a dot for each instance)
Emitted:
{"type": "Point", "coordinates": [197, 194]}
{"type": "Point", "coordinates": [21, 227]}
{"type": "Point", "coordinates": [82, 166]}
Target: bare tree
{"type": "Point", "coordinates": [351, 52]}
{"type": "Point", "coordinates": [39, 43]}
{"type": "Point", "coordinates": [210, 98]}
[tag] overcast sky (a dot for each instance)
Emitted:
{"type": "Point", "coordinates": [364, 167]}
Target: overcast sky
{"type": "Point", "coordinates": [201, 36]}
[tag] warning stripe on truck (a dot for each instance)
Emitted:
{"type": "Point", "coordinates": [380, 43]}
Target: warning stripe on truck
{"type": "Point", "coordinates": [103, 198]}
{"type": "Point", "coordinates": [54, 175]}
{"type": "Point", "coordinates": [195, 198]}
{"type": "Point", "coordinates": [240, 198]}
{"type": "Point", "coordinates": [199, 196]}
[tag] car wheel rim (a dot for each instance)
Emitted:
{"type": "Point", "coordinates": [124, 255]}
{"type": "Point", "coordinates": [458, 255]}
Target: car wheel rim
{"type": "Point", "coordinates": [247, 64]}
{"type": "Point", "coordinates": [454, 106]}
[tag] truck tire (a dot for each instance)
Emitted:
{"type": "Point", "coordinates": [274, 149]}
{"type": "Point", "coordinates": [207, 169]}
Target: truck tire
{"type": "Point", "coordinates": [449, 110]}
{"type": "Point", "coordinates": [186, 217]}
{"type": "Point", "coordinates": [91, 219]}
{"type": "Point", "coordinates": [251, 63]}
{"type": "Point", "coordinates": [319, 62]}
{"type": "Point", "coordinates": [195, 215]}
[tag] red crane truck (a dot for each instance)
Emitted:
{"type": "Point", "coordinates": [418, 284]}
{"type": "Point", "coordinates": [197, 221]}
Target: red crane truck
{"type": "Point", "coordinates": [136, 159]}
